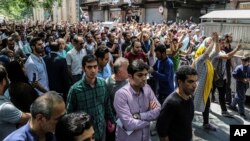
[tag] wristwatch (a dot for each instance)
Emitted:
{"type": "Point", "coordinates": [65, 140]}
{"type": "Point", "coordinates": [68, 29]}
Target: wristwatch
{"type": "Point", "coordinates": [136, 116]}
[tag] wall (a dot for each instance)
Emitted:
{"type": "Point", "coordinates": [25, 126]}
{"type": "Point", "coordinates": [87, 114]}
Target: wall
{"type": "Point", "coordinates": [186, 13]}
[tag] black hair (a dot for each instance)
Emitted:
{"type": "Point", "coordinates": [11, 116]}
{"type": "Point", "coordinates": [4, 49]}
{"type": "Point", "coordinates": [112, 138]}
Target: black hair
{"type": "Point", "coordinates": [34, 40]}
{"type": "Point", "coordinates": [88, 58]}
{"type": "Point", "coordinates": [160, 48]}
{"type": "Point", "coordinates": [183, 71]}
{"type": "Point", "coordinates": [136, 66]}
{"type": "Point", "coordinates": [54, 46]}
{"type": "Point", "coordinates": [100, 52]}
{"type": "Point", "coordinates": [72, 125]}
{"type": "Point", "coordinates": [133, 43]}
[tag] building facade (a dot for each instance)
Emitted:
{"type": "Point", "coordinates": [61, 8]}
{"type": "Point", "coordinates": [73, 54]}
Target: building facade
{"type": "Point", "coordinates": [67, 11]}
{"type": "Point", "coordinates": [148, 11]}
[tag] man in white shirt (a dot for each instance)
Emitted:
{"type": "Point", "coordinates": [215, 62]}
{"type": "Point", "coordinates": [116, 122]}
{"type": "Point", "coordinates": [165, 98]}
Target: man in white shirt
{"type": "Point", "coordinates": [74, 59]}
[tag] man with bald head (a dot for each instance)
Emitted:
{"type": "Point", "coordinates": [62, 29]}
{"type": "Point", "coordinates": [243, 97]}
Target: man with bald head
{"type": "Point", "coordinates": [74, 58]}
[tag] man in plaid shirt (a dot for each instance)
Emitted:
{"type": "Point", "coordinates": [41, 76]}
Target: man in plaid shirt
{"type": "Point", "coordinates": [90, 95]}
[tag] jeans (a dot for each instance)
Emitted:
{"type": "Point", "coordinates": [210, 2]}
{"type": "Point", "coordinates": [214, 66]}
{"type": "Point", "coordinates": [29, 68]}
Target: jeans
{"type": "Point", "coordinates": [222, 94]}
{"type": "Point", "coordinates": [240, 98]}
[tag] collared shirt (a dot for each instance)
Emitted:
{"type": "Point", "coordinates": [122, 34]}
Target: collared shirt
{"type": "Point", "coordinates": [74, 59]}
{"type": "Point", "coordinates": [93, 100]}
{"type": "Point", "coordinates": [26, 134]}
{"type": "Point", "coordinates": [127, 103]}
{"type": "Point", "coordinates": [9, 117]}
{"type": "Point", "coordinates": [36, 65]}
{"type": "Point", "coordinates": [105, 72]}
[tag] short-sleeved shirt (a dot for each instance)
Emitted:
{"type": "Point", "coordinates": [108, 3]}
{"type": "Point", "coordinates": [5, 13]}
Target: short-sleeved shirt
{"type": "Point", "coordinates": [74, 59]}
{"type": "Point", "coordinates": [26, 134]}
{"type": "Point", "coordinates": [175, 119]}
{"type": "Point", "coordinates": [9, 117]}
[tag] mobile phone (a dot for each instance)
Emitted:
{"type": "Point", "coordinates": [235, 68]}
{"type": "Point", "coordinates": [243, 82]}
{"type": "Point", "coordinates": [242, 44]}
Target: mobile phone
{"type": "Point", "coordinates": [34, 77]}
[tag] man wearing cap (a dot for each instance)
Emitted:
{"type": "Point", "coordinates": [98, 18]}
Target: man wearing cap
{"type": "Point", "coordinates": [242, 76]}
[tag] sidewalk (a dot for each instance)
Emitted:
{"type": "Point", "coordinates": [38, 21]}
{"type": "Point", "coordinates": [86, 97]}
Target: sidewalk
{"type": "Point", "coordinates": [222, 124]}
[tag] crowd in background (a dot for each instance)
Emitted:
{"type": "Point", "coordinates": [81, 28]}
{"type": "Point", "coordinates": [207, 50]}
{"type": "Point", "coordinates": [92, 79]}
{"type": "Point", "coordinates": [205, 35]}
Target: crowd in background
{"type": "Point", "coordinates": [120, 77]}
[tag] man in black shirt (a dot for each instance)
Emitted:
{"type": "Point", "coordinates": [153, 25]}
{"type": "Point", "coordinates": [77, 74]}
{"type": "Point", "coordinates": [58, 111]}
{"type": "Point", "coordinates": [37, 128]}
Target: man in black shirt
{"type": "Point", "coordinates": [175, 120]}
{"type": "Point", "coordinates": [227, 49]}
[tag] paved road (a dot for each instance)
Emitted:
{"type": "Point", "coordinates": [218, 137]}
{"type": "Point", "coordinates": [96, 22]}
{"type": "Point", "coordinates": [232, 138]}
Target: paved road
{"type": "Point", "coordinates": [222, 124]}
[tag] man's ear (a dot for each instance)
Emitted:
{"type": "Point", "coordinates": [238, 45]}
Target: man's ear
{"type": "Point", "coordinates": [39, 117]}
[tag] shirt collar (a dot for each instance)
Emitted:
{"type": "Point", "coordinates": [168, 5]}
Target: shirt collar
{"type": "Point", "coordinates": [133, 91]}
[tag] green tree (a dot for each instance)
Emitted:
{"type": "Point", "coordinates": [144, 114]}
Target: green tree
{"type": "Point", "coordinates": [18, 9]}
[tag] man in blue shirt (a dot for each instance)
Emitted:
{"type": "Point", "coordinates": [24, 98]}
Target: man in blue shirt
{"type": "Point", "coordinates": [46, 110]}
{"type": "Point", "coordinates": [163, 71]}
{"type": "Point", "coordinates": [104, 69]}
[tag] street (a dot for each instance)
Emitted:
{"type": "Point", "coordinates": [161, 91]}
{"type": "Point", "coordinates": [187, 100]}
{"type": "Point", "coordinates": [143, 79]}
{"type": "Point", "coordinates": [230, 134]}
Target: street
{"type": "Point", "coordinates": [222, 124]}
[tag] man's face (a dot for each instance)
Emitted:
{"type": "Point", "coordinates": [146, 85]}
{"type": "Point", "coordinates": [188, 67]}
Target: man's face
{"type": "Point", "coordinates": [157, 42]}
{"type": "Point", "coordinates": [112, 38]}
{"type": "Point", "coordinates": [137, 47]}
{"type": "Point", "coordinates": [80, 43]}
{"type": "Point", "coordinates": [62, 44]}
{"type": "Point", "coordinates": [139, 79]}
{"type": "Point", "coordinates": [123, 72]}
{"type": "Point", "coordinates": [103, 61]}
{"type": "Point", "coordinates": [159, 55]}
{"type": "Point", "coordinates": [11, 44]}
{"type": "Point", "coordinates": [49, 125]}
{"type": "Point", "coordinates": [222, 44]}
{"type": "Point", "coordinates": [89, 38]}
{"type": "Point", "coordinates": [128, 37]}
{"type": "Point", "coordinates": [38, 48]}
{"type": "Point", "coordinates": [91, 69]}
{"type": "Point", "coordinates": [189, 85]}
{"type": "Point", "coordinates": [98, 39]}
{"type": "Point", "coordinates": [87, 135]}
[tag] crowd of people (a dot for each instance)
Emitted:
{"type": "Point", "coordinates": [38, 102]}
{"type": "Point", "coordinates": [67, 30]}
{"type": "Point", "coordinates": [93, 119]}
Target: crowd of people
{"type": "Point", "coordinates": [72, 82]}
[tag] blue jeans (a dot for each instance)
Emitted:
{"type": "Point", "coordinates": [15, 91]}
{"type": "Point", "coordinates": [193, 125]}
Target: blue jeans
{"type": "Point", "coordinates": [240, 98]}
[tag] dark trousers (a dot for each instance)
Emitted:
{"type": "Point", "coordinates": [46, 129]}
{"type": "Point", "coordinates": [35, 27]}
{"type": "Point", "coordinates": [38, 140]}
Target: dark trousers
{"type": "Point", "coordinates": [240, 98]}
{"type": "Point", "coordinates": [110, 136]}
{"type": "Point", "coordinates": [228, 89]}
{"type": "Point", "coordinates": [205, 114]}
{"type": "Point", "coordinates": [222, 94]}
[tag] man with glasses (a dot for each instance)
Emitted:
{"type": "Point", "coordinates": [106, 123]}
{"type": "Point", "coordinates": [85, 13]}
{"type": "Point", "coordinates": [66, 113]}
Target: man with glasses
{"type": "Point", "coordinates": [74, 58]}
{"type": "Point", "coordinates": [75, 127]}
{"type": "Point", "coordinates": [46, 110]}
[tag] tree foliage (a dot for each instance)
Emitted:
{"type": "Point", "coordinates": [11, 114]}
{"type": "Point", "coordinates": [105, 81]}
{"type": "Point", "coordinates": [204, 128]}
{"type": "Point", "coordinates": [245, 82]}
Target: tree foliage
{"type": "Point", "coordinates": [19, 9]}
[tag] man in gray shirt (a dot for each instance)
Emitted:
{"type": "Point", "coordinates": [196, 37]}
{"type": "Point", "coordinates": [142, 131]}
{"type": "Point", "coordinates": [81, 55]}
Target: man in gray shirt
{"type": "Point", "coordinates": [114, 83]}
{"type": "Point", "coordinates": [10, 116]}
